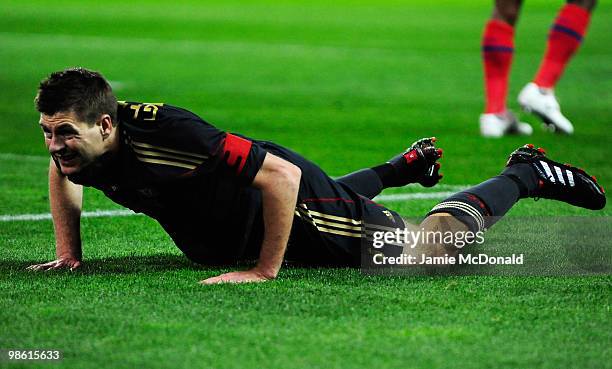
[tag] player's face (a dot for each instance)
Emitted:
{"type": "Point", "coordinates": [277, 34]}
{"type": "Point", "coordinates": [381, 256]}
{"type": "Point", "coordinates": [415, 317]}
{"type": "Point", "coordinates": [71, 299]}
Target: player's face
{"type": "Point", "coordinates": [74, 144]}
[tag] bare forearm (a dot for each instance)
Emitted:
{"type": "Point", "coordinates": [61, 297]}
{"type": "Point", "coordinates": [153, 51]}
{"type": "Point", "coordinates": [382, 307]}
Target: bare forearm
{"type": "Point", "coordinates": [279, 182]}
{"type": "Point", "coordinates": [65, 200]}
{"type": "Point", "coordinates": [279, 207]}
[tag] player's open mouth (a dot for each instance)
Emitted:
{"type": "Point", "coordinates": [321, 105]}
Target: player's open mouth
{"type": "Point", "coordinates": [66, 158]}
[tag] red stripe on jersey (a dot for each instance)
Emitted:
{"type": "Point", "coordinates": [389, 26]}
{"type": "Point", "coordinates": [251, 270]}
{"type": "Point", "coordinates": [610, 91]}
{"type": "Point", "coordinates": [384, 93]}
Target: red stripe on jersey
{"type": "Point", "coordinates": [236, 148]}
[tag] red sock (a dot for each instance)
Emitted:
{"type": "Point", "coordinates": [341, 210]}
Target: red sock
{"type": "Point", "coordinates": [497, 50]}
{"type": "Point", "coordinates": [563, 40]}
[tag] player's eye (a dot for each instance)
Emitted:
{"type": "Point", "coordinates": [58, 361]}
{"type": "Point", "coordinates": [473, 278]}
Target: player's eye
{"type": "Point", "coordinates": [67, 133]}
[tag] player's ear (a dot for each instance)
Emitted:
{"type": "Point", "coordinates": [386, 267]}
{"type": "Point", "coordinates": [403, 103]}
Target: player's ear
{"type": "Point", "coordinates": [106, 125]}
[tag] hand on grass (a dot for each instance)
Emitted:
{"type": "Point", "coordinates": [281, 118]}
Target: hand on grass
{"type": "Point", "coordinates": [57, 264]}
{"type": "Point", "coordinates": [246, 276]}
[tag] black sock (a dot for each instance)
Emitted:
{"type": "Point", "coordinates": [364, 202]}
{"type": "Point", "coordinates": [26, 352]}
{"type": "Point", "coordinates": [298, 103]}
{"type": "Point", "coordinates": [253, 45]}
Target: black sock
{"type": "Point", "coordinates": [524, 176]}
{"type": "Point", "coordinates": [481, 206]}
{"type": "Point", "coordinates": [365, 182]}
{"type": "Point", "coordinates": [387, 174]}
{"type": "Point", "coordinates": [498, 194]}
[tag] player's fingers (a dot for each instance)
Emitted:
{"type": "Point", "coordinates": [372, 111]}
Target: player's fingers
{"type": "Point", "coordinates": [237, 279]}
{"type": "Point", "coordinates": [75, 265]}
{"type": "Point", "coordinates": [59, 264]}
{"type": "Point", "coordinates": [223, 278]}
{"type": "Point", "coordinates": [56, 265]}
{"type": "Point", "coordinates": [212, 280]}
{"type": "Point", "coordinates": [37, 267]}
{"type": "Point", "coordinates": [242, 277]}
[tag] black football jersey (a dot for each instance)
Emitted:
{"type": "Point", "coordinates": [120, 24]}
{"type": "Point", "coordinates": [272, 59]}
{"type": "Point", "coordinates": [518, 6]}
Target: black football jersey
{"type": "Point", "coordinates": [182, 171]}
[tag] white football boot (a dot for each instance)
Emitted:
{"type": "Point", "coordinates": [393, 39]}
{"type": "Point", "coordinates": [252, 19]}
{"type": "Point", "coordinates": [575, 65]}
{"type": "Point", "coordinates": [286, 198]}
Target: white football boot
{"type": "Point", "coordinates": [542, 102]}
{"type": "Point", "coordinates": [497, 125]}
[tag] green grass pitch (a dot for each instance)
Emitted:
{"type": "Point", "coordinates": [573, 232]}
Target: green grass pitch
{"type": "Point", "coordinates": [347, 84]}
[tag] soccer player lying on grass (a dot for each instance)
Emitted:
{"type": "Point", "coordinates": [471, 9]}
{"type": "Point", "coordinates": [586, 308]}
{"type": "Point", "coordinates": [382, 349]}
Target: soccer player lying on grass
{"type": "Point", "coordinates": [224, 197]}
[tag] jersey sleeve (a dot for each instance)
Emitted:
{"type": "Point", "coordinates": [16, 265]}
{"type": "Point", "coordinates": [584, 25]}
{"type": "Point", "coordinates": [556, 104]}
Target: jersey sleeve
{"type": "Point", "coordinates": [174, 142]}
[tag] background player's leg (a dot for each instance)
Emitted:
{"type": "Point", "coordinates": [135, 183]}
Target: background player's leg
{"type": "Point", "coordinates": [507, 11]}
{"type": "Point", "coordinates": [564, 39]}
{"type": "Point", "coordinates": [497, 53]}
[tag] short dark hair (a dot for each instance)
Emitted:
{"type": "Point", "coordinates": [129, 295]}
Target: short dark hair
{"type": "Point", "coordinates": [82, 91]}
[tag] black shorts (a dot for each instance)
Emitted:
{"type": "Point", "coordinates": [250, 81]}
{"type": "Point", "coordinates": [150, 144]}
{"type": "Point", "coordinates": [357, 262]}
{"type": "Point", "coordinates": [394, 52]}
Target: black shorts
{"type": "Point", "coordinates": [332, 223]}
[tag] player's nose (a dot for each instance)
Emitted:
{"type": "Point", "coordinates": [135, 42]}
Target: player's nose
{"type": "Point", "coordinates": [56, 145]}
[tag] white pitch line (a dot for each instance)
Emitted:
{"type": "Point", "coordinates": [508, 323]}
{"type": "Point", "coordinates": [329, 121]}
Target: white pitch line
{"type": "Point", "coordinates": [14, 40]}
{"type": "Point", "coordinates": [395, 197]}
{"type": "Point", "coordinates": [22, 157]}
{"type": "Point", "coordinates": [413, 196]}
{"type": "Point", "coordinates": [117, 85]}
{"type": "Point", "coordinates": [126, 213]}
{"type": "Point", "coordinates": [85, 214]}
